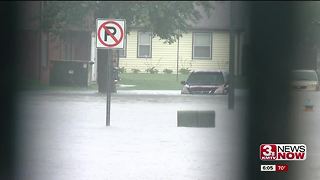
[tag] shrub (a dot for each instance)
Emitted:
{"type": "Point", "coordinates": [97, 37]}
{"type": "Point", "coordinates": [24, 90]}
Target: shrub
{"type": "Point", "coordinates": [122, 70]}
{"type": "Point", "coordinates": [167, 71]}
{"type": "Point", "coordinates": [184, 70]}
{"type": "Point", "coordinates": [135, 71]}
{"type": "Point", "coordinates": [152, 70]}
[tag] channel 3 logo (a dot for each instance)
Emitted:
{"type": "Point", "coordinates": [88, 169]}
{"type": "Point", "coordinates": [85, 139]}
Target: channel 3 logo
{"type": "Point", "coordinates": [268, 152]}
{"type": "Point", "coordinates": [283, 152]}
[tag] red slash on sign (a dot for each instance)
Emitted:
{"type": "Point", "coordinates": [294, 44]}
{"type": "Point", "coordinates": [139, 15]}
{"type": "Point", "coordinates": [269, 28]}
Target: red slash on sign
{"type": "Point", "coordinates": [114, 26]}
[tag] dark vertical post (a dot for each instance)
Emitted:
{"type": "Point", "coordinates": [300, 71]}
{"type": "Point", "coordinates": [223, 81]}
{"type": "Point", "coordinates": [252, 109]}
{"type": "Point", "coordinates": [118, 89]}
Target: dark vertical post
{"type": "Point", "coordinates": [40, 39]}
{"type": "Point", "coordinates": [105, 79]}
{"type": "Point", "coordinates": [178, 50]}
{"type": "Point", "coordinates": [109, 85]}
{"type": "Point", "coordinates": [231, 61]}
{"type": "Point", "coordinates": [9, 15]}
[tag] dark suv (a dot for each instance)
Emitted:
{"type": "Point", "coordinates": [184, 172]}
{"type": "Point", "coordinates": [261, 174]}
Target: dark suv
{"type": "Point", "coordinates": [206, 82]}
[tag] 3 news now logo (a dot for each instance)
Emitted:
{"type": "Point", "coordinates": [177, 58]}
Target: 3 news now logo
{"type": "Point", "coordinates": [283, 152]}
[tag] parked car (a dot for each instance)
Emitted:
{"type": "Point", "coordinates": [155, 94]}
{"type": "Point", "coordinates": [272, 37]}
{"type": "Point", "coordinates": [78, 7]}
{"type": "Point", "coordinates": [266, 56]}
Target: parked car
{"type": "Point", "coordinates": [206, 82]}
{"type": "Point", "coordinates": [305, 80]}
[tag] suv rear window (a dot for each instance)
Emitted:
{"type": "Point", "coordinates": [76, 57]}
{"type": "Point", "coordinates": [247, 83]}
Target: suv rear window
{"type": "Point", "coordinates": [206, 78]}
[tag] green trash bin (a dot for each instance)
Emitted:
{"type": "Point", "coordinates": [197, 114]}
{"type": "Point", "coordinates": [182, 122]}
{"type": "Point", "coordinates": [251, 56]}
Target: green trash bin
{"type": "Point", "coordinates": [70, 73]}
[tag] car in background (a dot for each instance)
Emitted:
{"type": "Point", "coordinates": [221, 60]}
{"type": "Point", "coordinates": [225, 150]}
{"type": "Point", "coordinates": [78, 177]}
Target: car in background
{"type": "Point", "coordinates": [206, 82]}
{"type": "Point", "coordinates": [305, 80]}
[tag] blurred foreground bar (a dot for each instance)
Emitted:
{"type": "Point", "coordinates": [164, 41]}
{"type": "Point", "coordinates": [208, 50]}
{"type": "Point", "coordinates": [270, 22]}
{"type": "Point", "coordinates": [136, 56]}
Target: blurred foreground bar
{"type": "Point", "coordinates": [273, 39]}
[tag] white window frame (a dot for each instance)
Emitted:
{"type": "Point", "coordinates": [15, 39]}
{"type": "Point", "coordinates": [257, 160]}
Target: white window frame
{"type": "Point", "coordinates": [193, 46]}
{"type": "Point", "coordinates": [139, 44]}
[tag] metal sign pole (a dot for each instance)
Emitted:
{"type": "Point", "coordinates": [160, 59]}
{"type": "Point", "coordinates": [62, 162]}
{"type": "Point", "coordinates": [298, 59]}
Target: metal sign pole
{"type": "Point", "coordinates": [109, 86]}
{"type": "Point", "coordinates": [110, 35]}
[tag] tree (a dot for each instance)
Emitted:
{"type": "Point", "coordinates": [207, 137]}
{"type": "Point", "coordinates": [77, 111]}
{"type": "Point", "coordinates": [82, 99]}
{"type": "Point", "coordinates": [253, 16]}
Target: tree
{"type": "Point", "coordinates": [162, 18]}
{"type": "Point", "coordinates": [307, 34]}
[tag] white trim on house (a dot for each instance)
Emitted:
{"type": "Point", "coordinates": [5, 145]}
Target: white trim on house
{"type": "Point", "coordinates": [194, 35]}
{"type": "Point", "coordinates": [93, 57]}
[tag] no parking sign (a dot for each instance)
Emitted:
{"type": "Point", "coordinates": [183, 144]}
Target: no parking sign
{"type": "Point", "coordinates": [110, 33]}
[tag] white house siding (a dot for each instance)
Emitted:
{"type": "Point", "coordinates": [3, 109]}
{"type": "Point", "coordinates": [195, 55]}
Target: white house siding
{"type": "Point", "coordinates": [164, 56]}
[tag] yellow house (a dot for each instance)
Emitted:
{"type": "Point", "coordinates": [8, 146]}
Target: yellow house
{"type": "Point", "coordinates": [195, 50]}
{"type": "Point", "coordinates": [205, 46]}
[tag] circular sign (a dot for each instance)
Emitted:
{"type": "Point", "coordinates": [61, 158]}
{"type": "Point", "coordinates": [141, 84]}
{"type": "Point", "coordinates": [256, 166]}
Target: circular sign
{"type": "Point", "coordinates": [105, 27]}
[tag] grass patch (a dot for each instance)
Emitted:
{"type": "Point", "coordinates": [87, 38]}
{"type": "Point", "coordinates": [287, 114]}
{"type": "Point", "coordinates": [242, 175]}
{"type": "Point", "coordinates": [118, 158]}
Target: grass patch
{"type": "Point", "coordinates": [143, 81]}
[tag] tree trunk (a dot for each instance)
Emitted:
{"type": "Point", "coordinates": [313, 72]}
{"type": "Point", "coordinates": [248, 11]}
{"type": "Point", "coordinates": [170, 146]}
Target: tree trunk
{"type": "Point", "coordinates": [102, 59]}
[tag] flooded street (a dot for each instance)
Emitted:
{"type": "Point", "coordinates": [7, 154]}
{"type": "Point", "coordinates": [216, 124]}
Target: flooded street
{"type": "Point", "coordinates": [62, 135]}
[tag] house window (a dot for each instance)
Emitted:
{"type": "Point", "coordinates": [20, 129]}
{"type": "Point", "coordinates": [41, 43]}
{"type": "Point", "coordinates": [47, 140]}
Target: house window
{"type": "Point", "coordinates": [123, 52]}
{"type": "Point", "coordinates": [144, 44]}
{"type": "Point", "coordinates": [201, 45]}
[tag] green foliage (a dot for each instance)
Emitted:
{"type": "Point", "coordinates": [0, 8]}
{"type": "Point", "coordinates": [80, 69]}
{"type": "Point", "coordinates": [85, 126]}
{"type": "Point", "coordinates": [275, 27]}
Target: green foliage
{"type": "Point", "coordinates": [167, 71]}
{"type": "Point", "coordinates": [308, 23]}
{"type": "Point", "coordinates": [184, 70]}
{"type": "Point", "coordinates": [163, 18]}
{"type": "Point", "coordinates": [135, 71]}
{"type": "Point", "coordinates": [152, 70]}
{"type": "Point", "coordinates": [59, 16]}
